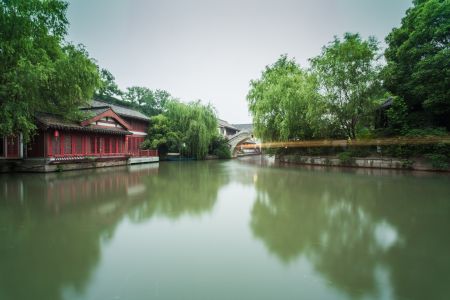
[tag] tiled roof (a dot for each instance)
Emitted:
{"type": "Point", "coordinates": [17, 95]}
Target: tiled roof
{"type": "Point", "coordinates": [46, 120]}
{"type": "Point", "coordinates": [223, 123]}
{"type": "Point", "coordinates": [120, 110]}
{"type": "Point", "coordinates": [244, 127]}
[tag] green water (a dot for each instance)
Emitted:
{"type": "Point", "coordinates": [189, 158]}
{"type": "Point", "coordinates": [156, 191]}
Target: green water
{"type": "Point", "coordinates": [241, 229]}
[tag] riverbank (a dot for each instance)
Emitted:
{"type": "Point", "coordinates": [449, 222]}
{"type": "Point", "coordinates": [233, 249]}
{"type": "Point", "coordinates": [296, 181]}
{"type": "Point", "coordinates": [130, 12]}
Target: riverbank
{"type": "Point", "coordinates": [416, 164]}
{"type": "Point", "coordinates": [45, 165]}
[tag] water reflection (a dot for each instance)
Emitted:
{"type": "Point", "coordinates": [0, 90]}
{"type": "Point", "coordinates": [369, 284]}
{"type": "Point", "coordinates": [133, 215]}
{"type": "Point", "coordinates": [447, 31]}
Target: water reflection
{"type": "Point", "coordinates": [182, 189]}
{"type": "Point", "coordinates": [359, 231]}
{"type": "Point", "coordinates": [365, 235]}
{"type": "Point", "coordinates": [53, 227]}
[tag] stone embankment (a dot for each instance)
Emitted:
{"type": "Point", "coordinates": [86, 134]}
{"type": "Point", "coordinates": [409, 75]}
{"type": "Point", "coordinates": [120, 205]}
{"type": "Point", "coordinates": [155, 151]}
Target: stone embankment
{"type": "Point", "coordinates": [418, 164]}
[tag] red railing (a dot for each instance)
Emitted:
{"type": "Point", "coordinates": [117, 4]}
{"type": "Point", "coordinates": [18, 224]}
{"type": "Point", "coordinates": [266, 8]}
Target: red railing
{"type": "Point", "coordinates": [139, 153]}
{"type": "Point", "coordinates": [85, 155]}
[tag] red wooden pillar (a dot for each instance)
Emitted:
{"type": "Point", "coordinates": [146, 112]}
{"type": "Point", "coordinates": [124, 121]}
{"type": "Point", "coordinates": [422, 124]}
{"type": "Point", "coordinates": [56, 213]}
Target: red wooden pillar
{"type": "Point", "coordinates": [117, 144]}
{"type": "Point", "coordinates": [126, 145]}
{"type": "Point", "coordinates": [95, 144]}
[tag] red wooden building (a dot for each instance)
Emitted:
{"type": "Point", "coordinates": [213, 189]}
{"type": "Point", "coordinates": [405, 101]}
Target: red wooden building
{"type": "Point", "coordinates": [110, 131]}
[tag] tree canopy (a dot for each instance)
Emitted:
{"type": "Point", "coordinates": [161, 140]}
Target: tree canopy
{"type": "Point", "coordinates": [332, 99]}
{"type": "Point", "coordinates": [149, 102]}
{"type": "Point", "coordinates": [39, 70]}
{"type": "Point", "coordinates": [348, 73]}
{"type": "Point", "coordinates": [108, 88]}
{"type": "Point", "coordinates": [285, 102]}
{"type": "Point", "coordinates": [418, 62]}
{"type": "Point", "coordinates": [186, 128]}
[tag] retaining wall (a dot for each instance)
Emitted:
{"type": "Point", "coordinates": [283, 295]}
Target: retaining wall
{"type": "Point", "coordinates": [418, 164]}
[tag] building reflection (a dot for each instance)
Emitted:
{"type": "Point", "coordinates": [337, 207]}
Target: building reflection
{"type": "Point", "coordinates": [358, 231]}
{"type": "Point", "coordinates": [53, 226]}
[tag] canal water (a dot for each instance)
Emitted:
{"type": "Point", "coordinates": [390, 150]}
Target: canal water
{"type": "Point", "coordinates": [239, 229]}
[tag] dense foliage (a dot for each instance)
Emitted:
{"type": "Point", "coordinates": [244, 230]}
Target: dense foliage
{"type": "Point", "coordinates": [143, 99]}
{"type": "Point", "coordinates": [39, 70]}
{"type": "Point", "coordinates": [418, 63]}
{"type": "Point", "coordinates": [219, 147]}
{"type": "Point", "coordinates": [285, 102]}
{"type": "Point", "coordinates": [188, 129]}
{"type": "Point", "coordinates": [341, 95]}
{"type": "Point", "coordinates": [334, 99]}
{"type": "Point", "coordinates": [347, 70]}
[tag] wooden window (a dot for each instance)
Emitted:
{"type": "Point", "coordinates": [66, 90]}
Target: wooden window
{"type": "Point", "coordinates": [12, 146]}
{"type": "Point", "coordinates": [68, 144]}
{"type": "Point", "coordinates": [87, 145]}
{"type": "Point", "coordinates": [92, 144]}
{"type": "Point", "coordinates": [99, 145]}
{"type": "Point", "coordinates": [56, 145]}
{"type": "Point", "coordinates": [107, 144]}
{"type": "Point", "coordinates": [78, 144]}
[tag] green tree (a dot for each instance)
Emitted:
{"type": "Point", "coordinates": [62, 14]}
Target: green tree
{"type": "Point", "coordinates": [397, 115]}
{"type": "Point", "coordinates": [349, 78]}
{"type": "Point", "coordinates": [285, 102]}
{"type": "Point", "coordinates": [39, 71]}
{"type": "Point", "coordinates": [162, 136]}
{"type": "Point", "coordinates": [147, 101]}
{"type": "Point", "coordinates": [139, 95]}
{"type": "Point", "coordinates": [418, 62]}
{"type": "Point", "coordinates": [186, 128]}
{"type": "Point", "coordinates": [161, 97]}
{"type": "Point", "coordinates": [197, 124]}
{"type": "Point", "coordinates": [219, 146]}
{"type": "Point", "coordinates": [108, 89]}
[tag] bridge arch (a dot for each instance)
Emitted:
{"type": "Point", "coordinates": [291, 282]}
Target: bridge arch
{"type": "Point", "coordinates": [237, 139]}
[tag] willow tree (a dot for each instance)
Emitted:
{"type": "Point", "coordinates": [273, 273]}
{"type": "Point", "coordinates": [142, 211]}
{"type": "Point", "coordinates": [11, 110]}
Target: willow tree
{"type": "Point", "coordinates": [39, 70]}
{"type": "Point", "coordinates": [285, 103]}
{"type": "Point", "coordinates": [348, 72]}
{"type": "Point", "coordinates": [188, 128]}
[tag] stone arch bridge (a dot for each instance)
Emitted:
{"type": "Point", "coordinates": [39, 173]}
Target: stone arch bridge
{"type": "Point", "coordinates": [237, 139]}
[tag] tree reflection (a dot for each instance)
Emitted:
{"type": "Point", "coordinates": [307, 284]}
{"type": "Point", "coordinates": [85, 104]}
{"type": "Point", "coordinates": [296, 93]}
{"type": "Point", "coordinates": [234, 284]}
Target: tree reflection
{"type": "Point", "coordinates": [53, 226]}
{"type": "Point", "coordinates": [350, 227]}
{"type": "Point", "coordinates": [189, 188]}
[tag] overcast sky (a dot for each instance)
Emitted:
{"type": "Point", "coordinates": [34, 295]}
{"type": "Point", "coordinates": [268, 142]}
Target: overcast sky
{"type": "Point", "coordinates": [209, 49]}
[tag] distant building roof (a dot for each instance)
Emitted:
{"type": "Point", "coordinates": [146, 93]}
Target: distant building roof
{"type": "Point", "coordinates": [244, 127]}
{"type": "Point", "coordinates": [120, 110]}
{"type": "Point", "coordinates": [223, 123]}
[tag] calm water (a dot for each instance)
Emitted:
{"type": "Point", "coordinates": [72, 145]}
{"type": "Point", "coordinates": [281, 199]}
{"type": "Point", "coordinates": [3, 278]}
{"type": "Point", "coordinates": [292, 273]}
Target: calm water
{"type": "Point", "coordinates": [241, 229]}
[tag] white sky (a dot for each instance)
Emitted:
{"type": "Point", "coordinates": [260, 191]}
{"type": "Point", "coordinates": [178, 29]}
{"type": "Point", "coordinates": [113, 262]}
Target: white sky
{"type": "Point", "coordinates": [210, 50]}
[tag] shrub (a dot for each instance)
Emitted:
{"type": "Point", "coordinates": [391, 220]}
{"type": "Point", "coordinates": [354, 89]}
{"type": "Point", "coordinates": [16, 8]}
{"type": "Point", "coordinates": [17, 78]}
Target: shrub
{"type": "Point", "coordinates": [438, 161]}
{"type": "Point", "coordinates": [406, 163]}
{"type": "Point", "coordinates": [346, 158]}
{"type": "Point", "coordinates": [219, 146]}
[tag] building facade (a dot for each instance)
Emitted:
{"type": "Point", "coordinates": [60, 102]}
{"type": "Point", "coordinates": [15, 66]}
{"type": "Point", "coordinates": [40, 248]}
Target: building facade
{"type": "Point", "coordinates": [109, 133]}
{"type": "Point", "coordinates": [226, 129]}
